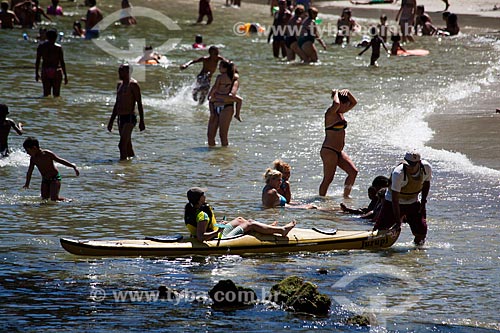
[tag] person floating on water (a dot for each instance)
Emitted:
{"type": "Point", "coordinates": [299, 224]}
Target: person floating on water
{"type": "Point", "coordinates": [5, 125]}
{"type": "Point", "coordinates": [44, 160]}
{"type": "Point", "coordinates": [201, 222]}
{"type": "Point", "coordinates": [198, 42]}
{"type": "Point", "coordinates": [409, 179]}
{"type": "Point", "coordinates": [128, 94]}
{"type": "Point", "coordinates": [150, 56]}
{"type": "Point", "coordinates": [210, 62]}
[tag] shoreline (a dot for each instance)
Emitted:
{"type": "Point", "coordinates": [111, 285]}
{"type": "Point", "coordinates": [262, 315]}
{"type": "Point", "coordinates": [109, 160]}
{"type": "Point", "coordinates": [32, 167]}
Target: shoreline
{"type": "Point", "coordinates": [473, 136]}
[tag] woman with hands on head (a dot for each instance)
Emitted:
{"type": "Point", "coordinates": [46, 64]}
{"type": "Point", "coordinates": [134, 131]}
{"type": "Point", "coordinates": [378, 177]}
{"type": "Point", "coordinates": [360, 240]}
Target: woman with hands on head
{"type": "Point", "coordinates": [332, 151]}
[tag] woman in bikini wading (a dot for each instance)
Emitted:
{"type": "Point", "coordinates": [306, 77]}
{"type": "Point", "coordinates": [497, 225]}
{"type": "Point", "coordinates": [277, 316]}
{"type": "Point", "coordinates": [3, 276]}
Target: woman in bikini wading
{"type": "Point", "coordinates": [332, 152]}
{"type": "Point", "coordinates": [222, 97]}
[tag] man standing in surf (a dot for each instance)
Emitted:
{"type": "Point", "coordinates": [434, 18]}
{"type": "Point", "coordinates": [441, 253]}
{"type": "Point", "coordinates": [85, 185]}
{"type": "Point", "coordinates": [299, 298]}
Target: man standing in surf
{"type": "Point", "coordinates": [94, 16]}
{"type": "Point", "coordinates": [408, 179]}
{"type": "Point", "coordinates": [53, 66]}
{"type": "Point", "coordinates": [127, 95]}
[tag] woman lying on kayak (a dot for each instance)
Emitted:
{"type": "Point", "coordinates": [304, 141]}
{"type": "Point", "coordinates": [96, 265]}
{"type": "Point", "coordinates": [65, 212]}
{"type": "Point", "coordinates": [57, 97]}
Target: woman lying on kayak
{"type": "Point", "coordinates": [201, 223]}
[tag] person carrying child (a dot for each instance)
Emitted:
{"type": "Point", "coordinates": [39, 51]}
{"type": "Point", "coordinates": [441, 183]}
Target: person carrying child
{"type": "Point", "coordinates": [44, 160]}
{"type": "Point", "coordinates": [222, 97]}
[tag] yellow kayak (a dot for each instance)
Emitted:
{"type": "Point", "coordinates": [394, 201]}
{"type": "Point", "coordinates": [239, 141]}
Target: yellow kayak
{"type": "Point", "coordinates": [298, 239]}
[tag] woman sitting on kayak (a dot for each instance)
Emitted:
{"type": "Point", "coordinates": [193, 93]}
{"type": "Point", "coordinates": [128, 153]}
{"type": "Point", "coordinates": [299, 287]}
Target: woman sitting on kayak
{"type": "Point", "coordinates": [201, 223]}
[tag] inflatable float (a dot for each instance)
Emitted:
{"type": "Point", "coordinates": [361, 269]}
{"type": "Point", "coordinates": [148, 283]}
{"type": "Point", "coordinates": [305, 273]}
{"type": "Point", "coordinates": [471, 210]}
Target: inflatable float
{"type": "Point", "coordinates": [416, 52]}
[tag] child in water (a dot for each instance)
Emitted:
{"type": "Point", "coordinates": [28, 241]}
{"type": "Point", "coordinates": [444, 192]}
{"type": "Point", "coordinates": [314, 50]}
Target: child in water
{"type": "Point", "coordinates": [5, 125]}
{"type": "Point", "coordinates": [228, 77]}
{"type": "Point", "coordinates": [375, 44]}
{"type": "Point", "coordinates": [198, 42]}
{"type": "Point", "coordinates": [396, 44]}
{"type": "Point", "coordinates": [77, 29]}
{"type": "Point", "coordinates": [285, 170]}
{"type": "Point", "coordinates": [44, 160]}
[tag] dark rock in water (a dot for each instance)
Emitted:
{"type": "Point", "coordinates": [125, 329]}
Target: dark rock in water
{"type": "Point", "coordinates": [167, 293]}
{"type": "Point", "coordinates": [358, 320]}
{"type": "Point", "coordinates": [300, 296]}
{"type": "Point", "coordinates": [322, 271]}
{"type": "Point", "coordinates": [364, 319]}
{"type": "Point", "coordinates": [227, 295]}
{"type": "Point", "coordinates": [281, 292]}
{"type": "Point", "coordinates": [308, 299]}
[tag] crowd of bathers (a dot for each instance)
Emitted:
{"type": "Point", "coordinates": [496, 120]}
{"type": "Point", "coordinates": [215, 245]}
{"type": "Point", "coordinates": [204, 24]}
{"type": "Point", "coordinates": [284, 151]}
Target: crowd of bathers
{"type": "Point", "coordinates": [295, 28]}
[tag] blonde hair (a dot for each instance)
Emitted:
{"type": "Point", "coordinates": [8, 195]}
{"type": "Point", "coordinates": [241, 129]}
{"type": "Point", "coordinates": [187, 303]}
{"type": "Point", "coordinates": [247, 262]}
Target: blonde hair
{"type": "Point", "coordinates": [282, 166]}
{"type": "Point", "coordinates": [270, 174]}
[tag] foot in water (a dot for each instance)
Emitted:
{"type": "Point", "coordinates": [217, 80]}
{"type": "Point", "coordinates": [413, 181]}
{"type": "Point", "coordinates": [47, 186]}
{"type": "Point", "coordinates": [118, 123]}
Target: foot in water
{"type": "Point", "coordinates": [288, 227]}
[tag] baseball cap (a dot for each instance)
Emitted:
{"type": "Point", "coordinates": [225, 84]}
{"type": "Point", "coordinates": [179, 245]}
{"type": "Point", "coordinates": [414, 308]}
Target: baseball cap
{"type": "Point", "coordinates": [4, 109]}
{"type": "Point", "coordinates": [195, 193]}
{"type": "Point", "coordinates": [411, 157]}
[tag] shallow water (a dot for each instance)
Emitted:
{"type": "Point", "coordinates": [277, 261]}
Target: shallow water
{"type": "Point", "coordinates": [454, 277]}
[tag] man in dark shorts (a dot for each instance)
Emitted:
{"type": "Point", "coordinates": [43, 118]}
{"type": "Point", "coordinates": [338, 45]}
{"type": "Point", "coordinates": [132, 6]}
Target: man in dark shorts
{"type": "Point", "coordinates": [408, 179]}
{"type": "Point", "coordinates": [128, 93]}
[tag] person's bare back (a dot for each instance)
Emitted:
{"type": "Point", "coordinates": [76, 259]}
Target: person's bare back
{"type": "Point", "coordinates": [51, 54]}
{"type": "Point", "coordinates": [94, 16]}
{"type": "Point", "coordinates": [44, 161]}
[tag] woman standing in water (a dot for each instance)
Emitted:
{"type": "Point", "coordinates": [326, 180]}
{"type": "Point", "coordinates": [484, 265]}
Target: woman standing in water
{"type": "Point", "coordinates": [308, 34]}
{"type": "Point", "coordinates": [222, 97]}
{"type": "Point", "coordinates": [332, 152]}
